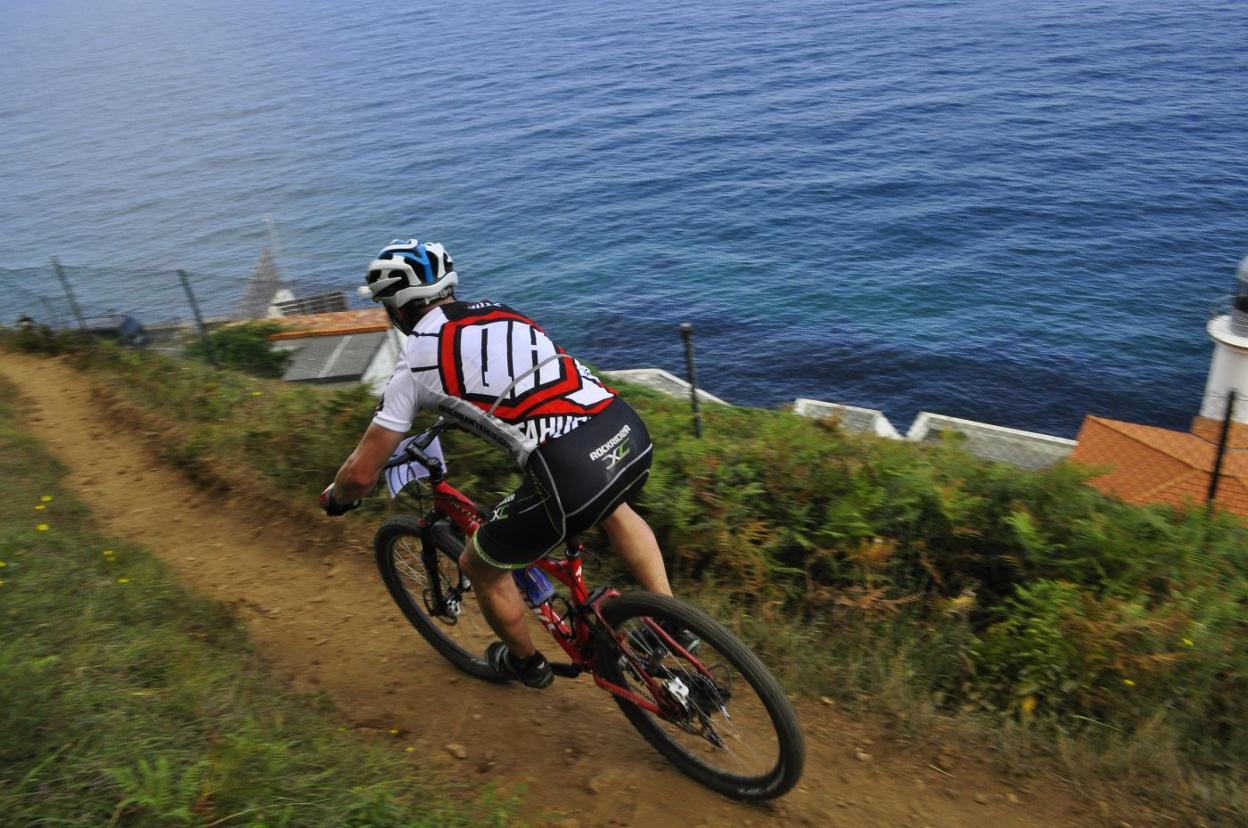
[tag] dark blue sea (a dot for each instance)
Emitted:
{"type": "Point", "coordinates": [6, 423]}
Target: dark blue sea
{"type": "Point", "coordinates": [1011, 212]}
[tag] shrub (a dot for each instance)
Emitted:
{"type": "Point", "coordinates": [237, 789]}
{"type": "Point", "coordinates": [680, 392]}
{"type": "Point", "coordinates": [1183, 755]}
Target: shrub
{"type": "Point", "coordinates": [245, 347]}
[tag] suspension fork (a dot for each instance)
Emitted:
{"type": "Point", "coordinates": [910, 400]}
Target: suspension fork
{"type": "Point", "coordinates": [429, 559]}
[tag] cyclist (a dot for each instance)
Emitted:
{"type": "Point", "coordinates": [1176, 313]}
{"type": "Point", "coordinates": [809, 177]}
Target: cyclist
{"type": "Point", "coordinates": [583, 450]}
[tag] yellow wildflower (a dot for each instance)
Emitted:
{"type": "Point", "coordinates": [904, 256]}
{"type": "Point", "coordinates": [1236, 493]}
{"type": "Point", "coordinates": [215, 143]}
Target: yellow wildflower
{"type": "Point", "coordinates": [123, 580]}
{"type": "Point", "coordinates": [256, 394]}
{"type": "Point", "coordinates": [3, 564]}
{"type": "Point", "coordinates": [1128, 682]}
{"type": "Point", "coordinates": [43, 527]}
{"type": "Point", "coordinates": [1187, 642]}
{"type": "Point", "coordinates": [408, 749]}
{"type": "Point", "coordinates": [1028, 705]}
{"type": "Point", "coordinates": [40, 507]}
{"type": "Point", "coordinates": [46, 498]}
{"type": "Point", "coordinates": [394, 731]}
{"type": "Point", "coordinates": [108, 553]}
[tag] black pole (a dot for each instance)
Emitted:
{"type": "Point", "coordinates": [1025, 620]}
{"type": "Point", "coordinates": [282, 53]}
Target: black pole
{"type": "Point", "coordinates": [199, 320]}
{"type": "Point", "coordinates": [69, 294]}
{"type": "Point", "coordinates": [686, 332]}
{"type": "Point", "coordinates": [1217, 462]}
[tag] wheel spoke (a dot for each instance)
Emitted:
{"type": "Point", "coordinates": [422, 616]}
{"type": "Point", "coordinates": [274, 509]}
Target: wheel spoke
{"type": "Point", "coordinates": [468, 633]}
{"type": "Point", "coordinates": [412, 572]}
{"type": "Point", "coordinates": [734, 735]}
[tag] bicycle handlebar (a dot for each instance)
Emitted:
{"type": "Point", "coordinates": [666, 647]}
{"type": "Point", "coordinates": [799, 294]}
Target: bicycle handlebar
{"type": "Point", "coordinates": [416, 449]}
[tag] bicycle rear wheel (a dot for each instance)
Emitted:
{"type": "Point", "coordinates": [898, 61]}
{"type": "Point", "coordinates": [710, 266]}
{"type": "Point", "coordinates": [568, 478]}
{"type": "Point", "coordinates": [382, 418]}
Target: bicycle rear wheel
{"type": "Point", "coordinates": [731, 727]}
{"type": "Point", "coordinates": [399, 552]}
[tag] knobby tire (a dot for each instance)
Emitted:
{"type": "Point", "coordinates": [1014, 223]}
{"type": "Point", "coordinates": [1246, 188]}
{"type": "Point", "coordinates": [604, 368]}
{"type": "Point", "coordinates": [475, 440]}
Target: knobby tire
{"type": "Point", "coordinates": [791, 744]}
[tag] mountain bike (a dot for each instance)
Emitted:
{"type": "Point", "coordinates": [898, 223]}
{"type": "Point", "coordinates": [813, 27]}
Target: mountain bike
{"type": "Point", "coordinates": [687, 684]}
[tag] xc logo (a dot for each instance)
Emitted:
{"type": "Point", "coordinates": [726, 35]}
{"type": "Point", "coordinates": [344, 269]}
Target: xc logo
{"type": "Point", "coordinates": [617, 454]}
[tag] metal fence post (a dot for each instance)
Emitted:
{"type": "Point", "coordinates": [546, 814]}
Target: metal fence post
{"type": "Point", "coordinates": [686, 332]}
{"type": "Point", "coordinates": [69, 294]}
{"type": "Point", "coordinates": [1221, 455]}
{"type": "Point", "coordinates": [199, 319]}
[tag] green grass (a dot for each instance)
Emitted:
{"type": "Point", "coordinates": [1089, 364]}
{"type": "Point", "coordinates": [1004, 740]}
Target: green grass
{"type": "Point", "coordinates": [127, 700]}
{"type": "Point", "coordinates": [916, 580]}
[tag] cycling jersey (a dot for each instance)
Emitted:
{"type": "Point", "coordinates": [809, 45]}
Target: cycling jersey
{"type": "Point", "coordinates": [496, 373]}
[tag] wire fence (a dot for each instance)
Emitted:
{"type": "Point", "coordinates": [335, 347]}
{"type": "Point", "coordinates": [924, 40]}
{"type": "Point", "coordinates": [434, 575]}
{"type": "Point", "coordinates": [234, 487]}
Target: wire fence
{"type": "Point", "coordinates": [168, 304]}
{"type": "Point", "coordinates": [153, 297]}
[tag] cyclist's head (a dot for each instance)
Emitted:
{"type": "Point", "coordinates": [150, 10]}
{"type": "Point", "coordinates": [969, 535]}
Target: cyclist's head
{"type": "Point", "coordinates": [407, 276]}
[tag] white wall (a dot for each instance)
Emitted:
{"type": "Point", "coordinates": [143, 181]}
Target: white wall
{"type": "Point", "coordinates": [382, 365]}
{"type": "Point", "coordinates": [1228, 370]}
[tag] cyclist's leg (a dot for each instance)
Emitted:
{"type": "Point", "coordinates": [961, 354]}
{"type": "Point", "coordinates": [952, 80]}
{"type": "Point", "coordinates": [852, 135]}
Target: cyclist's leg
{"type": "Point", "coordinates": [500, 601]}
{"type": "Point", "coordinates": [633, 540]}
{"type": "Point", "coordinates": [601, 466]}
{"type": "Point", "coordinates": [520, 531]}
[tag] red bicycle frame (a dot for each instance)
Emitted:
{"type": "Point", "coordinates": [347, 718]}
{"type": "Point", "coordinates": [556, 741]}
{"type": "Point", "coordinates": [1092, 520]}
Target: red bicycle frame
{"type": "Point", "coordinates": [575, 638]}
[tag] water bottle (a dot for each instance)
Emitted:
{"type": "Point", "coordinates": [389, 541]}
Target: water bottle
{"type": "Point", "coordinates": [534, 585]}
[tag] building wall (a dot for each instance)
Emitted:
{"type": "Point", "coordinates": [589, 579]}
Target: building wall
{"type": "Point", "coordinates": [382, 366]}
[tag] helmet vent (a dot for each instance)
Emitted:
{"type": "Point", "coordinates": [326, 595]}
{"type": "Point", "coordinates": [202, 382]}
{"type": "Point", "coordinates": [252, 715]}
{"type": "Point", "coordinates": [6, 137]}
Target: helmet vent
{"type": "Point", "coordinates": [373, 276]}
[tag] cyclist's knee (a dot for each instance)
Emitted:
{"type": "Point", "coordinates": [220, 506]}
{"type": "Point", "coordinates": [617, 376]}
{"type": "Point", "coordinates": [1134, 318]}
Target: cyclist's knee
{"type": "Point", "coordinates": [477, 570]}
{"type": "Point", "coordinates": [469, 563]}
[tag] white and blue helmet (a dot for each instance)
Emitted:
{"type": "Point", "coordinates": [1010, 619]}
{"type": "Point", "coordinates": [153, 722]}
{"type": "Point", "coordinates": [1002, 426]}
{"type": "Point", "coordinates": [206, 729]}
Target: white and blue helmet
{"type": "Point", "coordinates": [407, 275]}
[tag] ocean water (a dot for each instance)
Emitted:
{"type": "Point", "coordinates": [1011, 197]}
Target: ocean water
{"type": "Point", "coordinates": [1013, 212]}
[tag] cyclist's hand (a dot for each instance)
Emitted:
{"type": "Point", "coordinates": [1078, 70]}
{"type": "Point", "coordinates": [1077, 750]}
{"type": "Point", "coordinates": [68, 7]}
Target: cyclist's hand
{"type": "Point", "coordinates": [332, 507]}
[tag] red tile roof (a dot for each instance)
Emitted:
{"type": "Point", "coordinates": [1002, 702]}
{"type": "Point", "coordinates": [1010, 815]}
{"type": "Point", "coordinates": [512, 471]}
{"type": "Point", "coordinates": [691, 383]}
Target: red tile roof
{"type": "Point", "coordinates": [1211, 430]}
{"type": "Point", "coordinates": [1145, 464]}
{"type": "Point", "coordinates": [369, 320]}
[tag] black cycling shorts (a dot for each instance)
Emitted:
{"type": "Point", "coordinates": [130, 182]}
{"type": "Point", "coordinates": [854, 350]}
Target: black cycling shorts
{"type": "Point", "coordinates": [570, 483]}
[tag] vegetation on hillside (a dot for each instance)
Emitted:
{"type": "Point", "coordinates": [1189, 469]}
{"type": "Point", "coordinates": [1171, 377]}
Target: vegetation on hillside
{"type": "Point", "coordinates": [917, 576]}
{"type": "Point", "coordinates": [244, 347]}
{"type": "Point", "coordinates": [128, 701]}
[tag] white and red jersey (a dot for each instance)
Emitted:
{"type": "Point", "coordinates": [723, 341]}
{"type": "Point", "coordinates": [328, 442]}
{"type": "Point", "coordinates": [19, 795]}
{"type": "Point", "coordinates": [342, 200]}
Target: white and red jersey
{"type": "Point", "coordinates": [495, 372]}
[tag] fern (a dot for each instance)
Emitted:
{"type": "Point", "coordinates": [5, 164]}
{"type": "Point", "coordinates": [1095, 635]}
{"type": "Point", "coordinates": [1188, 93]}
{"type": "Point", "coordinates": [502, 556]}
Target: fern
{"type": "Point", "coordinates": [158, 788]}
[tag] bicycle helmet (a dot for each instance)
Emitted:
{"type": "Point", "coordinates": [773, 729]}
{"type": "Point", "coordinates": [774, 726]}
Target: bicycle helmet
{"type": "Point", "coordinates": [408, 275]}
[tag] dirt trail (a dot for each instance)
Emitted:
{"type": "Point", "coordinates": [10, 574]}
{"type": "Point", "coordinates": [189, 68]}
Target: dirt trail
{"type": "Point", "coordinates": [328, 623]}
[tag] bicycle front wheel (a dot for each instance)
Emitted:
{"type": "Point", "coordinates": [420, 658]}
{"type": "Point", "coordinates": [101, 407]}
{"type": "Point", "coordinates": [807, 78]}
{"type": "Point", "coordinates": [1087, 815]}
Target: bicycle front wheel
{"type": "Point", "coordinates": [729, 725]}
{"type": "Point", "coordinates": [460, 636]}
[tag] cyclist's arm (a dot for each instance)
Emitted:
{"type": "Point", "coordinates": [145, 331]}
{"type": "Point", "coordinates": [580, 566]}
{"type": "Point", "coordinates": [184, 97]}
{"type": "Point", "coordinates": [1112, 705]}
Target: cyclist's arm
{"type": "Point", "coordinates": [358, 474]}
{"type": "Point", "coordinates": [393, 418]}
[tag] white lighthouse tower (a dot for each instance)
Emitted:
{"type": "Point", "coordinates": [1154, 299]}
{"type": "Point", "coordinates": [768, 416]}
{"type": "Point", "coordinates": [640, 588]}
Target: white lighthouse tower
{"type": "Point", "coordinates": [1229, 370]}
